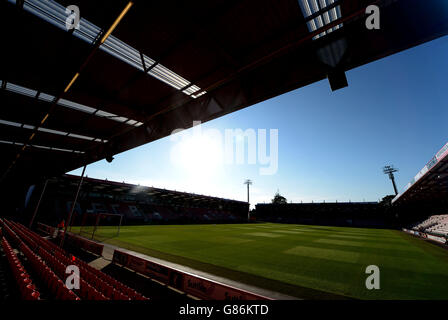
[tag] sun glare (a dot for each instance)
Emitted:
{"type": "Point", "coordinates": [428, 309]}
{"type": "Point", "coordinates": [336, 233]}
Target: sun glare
{"type": "Point", "coordinates": [198, 155]}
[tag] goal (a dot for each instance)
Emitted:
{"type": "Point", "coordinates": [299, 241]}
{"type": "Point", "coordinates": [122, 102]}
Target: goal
{"type": "Point", "coordinates": [100, 225]}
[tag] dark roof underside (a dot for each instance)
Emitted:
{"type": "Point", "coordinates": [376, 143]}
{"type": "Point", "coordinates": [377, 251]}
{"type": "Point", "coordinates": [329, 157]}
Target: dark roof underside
{"type": "Point", "coordinates": [239, 52]}
{"type": "Point", "coordinates": [430, 184]}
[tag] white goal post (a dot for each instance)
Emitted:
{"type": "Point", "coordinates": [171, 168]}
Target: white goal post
{"type": "Point", "coordinates": [93, 221]}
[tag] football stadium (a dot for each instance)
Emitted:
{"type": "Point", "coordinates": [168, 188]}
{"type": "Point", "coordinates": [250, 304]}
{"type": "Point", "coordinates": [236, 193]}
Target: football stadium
{"type": "Point", "coordinates": [87, 81]}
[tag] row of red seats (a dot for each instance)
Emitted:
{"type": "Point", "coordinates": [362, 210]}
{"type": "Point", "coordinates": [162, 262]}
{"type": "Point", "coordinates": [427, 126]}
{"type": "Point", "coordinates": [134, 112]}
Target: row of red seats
{"type": "Point", "coordinates": [94, 282]}
{"type": "Point", "coordinates": [26, 286]}
{"type": "Point", "coordinates": [86, 291]}
{"type": "Point", "coordinates": [108, 286]}
{"type": "Point", "coordinates": [125, 290]}
{"type": "Point", "coordinates": [98, 279]}
{"type": "Point", "coordinates": [7, 229]}
{"type": "Point", "coordinates": [54, 283]}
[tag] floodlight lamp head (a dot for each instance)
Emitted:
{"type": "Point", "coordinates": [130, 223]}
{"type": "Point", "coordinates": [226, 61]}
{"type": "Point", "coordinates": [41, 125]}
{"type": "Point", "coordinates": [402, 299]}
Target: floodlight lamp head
{"type": "Point", "coordinates": [389, 169]}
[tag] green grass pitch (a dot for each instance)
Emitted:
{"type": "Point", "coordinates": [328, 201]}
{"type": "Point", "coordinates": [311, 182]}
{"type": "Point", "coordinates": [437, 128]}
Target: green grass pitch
{"type": "Point", "coordinates": [310, 262]}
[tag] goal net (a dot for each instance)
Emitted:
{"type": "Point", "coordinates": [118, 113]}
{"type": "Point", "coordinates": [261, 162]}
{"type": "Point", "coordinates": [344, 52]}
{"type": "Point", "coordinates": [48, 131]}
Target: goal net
{"type": "Point", "coordinates": [100, 226]}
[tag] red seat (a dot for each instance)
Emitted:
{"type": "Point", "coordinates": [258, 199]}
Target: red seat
{"type": "Point", "coordinates": [51, 262]}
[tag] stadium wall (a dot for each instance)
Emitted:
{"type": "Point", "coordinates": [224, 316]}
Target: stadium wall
{"type": "Point", "coordinates": [194, 285]}
{"type": "Point", "coordinates": [352, 214]}
{"type": "Point", "coordinates": [428, 235]}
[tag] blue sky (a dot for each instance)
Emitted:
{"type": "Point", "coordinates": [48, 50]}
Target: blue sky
{"type": "Point", "coordinates": [331, 145]}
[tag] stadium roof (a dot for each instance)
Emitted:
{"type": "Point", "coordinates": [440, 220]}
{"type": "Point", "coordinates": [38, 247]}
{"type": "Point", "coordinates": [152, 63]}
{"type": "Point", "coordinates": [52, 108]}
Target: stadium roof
{"type": "Point", "coordinates": [431, 183]}
{"type": "Point", "coordinates": [133, 72]}
{"type": "Point", "coordinates": [70, 182]}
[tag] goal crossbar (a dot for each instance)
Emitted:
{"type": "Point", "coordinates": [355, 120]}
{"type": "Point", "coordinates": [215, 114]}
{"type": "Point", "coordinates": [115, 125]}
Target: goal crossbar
{"type": "Point", "coordinates": [97, 219]}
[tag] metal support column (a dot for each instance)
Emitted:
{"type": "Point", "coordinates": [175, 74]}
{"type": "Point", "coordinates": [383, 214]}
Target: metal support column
{"type": "Point", "coordinates": [73, 207]}
{"type": "Point", "coordinates": [248, 182]}
{"type": "Point", "coordinates": [119, 226]}
{"type": "Point", "coordinates": [38, 204]}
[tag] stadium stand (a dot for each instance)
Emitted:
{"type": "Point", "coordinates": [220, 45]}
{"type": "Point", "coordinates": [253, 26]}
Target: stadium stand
{"type": "Point", "coordinates": [437, 224]}
{"type": "Point", "coordinates": [426, 192]}
{"type": "Point", "coordinates": [138, 204]}
{"type": "Point", "coordinates": [8, 287]}
{"type": "Point", "coordinates": [359, 214]}
{"type": "Point", "coordinates": [26, 286]}
{"type": "Point", "coordinates": [98, 105]}
{"type": "Point", "coordinates": [50, 263]}
{"type": "Point", "coordinates": [429, 184]}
